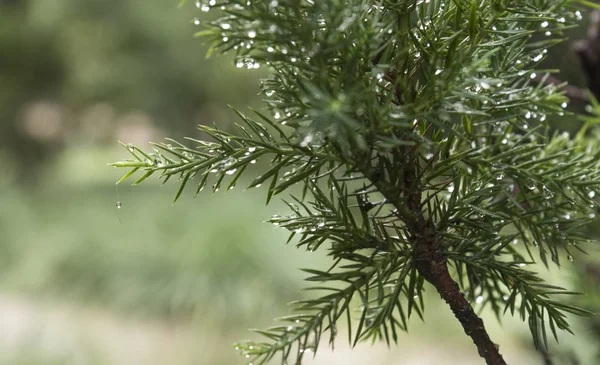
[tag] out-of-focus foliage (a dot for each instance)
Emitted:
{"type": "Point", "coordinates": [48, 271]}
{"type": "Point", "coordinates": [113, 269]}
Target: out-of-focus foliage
{"type": "Point", "coordinates": [79, 71]}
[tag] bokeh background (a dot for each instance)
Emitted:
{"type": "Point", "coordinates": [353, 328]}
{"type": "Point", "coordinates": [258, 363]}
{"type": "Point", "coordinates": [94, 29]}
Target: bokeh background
{"type": "Point", "coordinates": [82, 282]}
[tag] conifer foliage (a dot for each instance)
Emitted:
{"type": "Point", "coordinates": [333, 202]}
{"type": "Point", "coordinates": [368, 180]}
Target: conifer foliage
{"type": "Point", "coordinates": [414, 133]}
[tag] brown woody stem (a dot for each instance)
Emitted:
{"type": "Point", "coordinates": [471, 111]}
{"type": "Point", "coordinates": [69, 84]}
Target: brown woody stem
{"type": "Point", "coordinates": [429, 259]}
{"type": "Point", "coordinates": [432, 265]}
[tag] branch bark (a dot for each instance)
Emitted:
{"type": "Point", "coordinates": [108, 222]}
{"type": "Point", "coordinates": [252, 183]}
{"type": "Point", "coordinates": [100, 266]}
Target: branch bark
{"type": "Point", "coordinates": [429, 259]}
{"type": "Point", "coordinates": [432, 265]}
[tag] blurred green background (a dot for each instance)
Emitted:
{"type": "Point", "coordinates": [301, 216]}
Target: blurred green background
{"type": "Point", "coordinates": [153, 283]}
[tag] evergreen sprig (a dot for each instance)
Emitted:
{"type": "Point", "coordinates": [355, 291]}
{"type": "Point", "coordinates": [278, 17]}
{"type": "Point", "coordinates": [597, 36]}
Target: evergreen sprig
{"type": "Point", "coordinates": [417, 131]}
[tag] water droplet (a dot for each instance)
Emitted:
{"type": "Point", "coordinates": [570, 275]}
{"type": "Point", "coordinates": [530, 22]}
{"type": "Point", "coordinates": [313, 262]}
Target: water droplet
{"type": "Point", "coordinates": [306, 141]}
{"type": "Point", "coordinates": [196, 21]}
{"type": "Point", "coordinates": [119, 205]}
{"type": "Point", "coordinates": [522, 265]}
{"type": "Point", "coordinates": [533, 75]}
{"type": "Point", "coordinates": [592, 194]}
{"type": "Point", "coordinates": [479, 299]}
{"type": "Point", "coordinates": [231, 172]}
{"type": "Point", "coordinates": [252, 34]}
{"type": "Point", "coordinates": [570, 258]}
{"type": "Point", "coordinates": [544, 24]}
{"type": "Point", "coordinates": [564, 105]}
{"type": "Point", "coordinates": [226, 26]}
{"type": "Point", "coordinates": [505, 297]}
{"type": "Point", "coordinates": [438, 71]}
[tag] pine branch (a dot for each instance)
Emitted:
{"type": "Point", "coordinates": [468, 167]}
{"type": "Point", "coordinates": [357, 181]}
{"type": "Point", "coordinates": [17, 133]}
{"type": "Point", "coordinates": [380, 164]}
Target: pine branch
{"type": "Point", "coordinates": [416, 130]}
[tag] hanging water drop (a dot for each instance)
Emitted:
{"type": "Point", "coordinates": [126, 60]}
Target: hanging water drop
{"type": "Point", "coordinates": [531, 184]}
{"type": "Point", "coordinates": [119, 205]}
